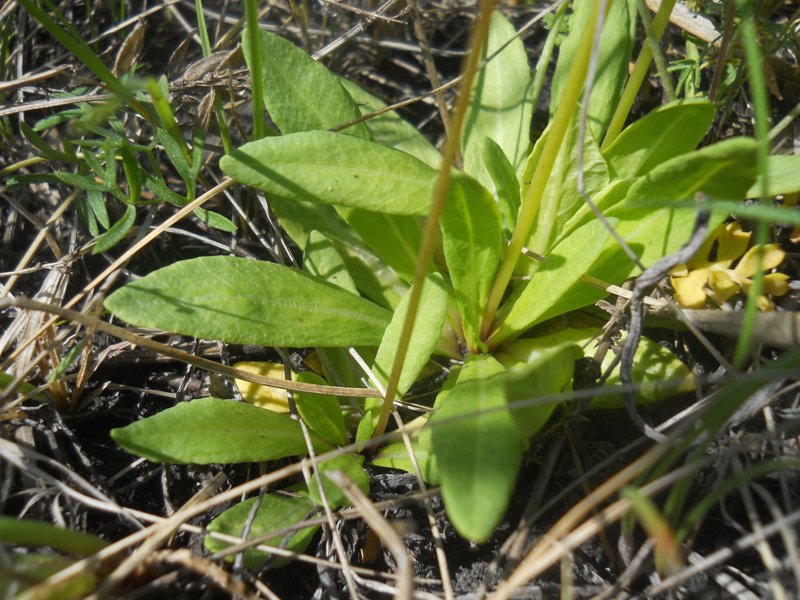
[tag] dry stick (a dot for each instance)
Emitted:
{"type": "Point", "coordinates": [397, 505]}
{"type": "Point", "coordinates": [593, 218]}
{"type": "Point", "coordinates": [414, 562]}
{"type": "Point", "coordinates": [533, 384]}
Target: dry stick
{"type": "Point", "coordinates": [440, 191]}
{"type": "Point", "coordinates": [188, 358]}
{"type": "Point", "coordinates": [430, 67]}
{"type": "Point", "coordinates": [387, 534]}
{"type": "Point", "coordinates": [649, 278]}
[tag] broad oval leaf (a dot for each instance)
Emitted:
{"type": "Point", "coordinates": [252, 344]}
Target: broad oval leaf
{"type": "Point", "coordinates": [783, 176]}
{"type": "Point", "coordinates": [248, 302]}
{"type": "Point", "coordinates": [321, 259]}
{"type": "Point", "coordinates": [276, 512]}
{"type": "Point", "coordinates": [478, 447]}
{"type": "Point", "coordinates": [663, 134]}
{"type": "Point", "coordinates": [331, 168]}
{"type": "Point", "coordinates": [472, 237]}
{"type": "Point", "coordinates": [210, 430]}
{"type": "Point", "coordinates": [500, 107]}
{"type": "Point", "coordinates": [293, 85]}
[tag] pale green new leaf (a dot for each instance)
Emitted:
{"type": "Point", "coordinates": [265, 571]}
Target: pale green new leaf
{"type": "Point", "coordinates": [427, 333]}
{"type": "Point", "coordinates": [472, 237]}
{"type": "Point", "coordinates": [390, 129]}
{"type": "Point", "coordinates": [350, 465]}
{"type": "Point", "coordinates": [245, 301]}
{"type": "Point", "coordinates": [555, 287]}
{"type": "Point", "coordinates": [294, 83]}
{"type": "Point", "coordinates": [321, 412]}
{"type": "Point", "coordinates": [210, 430]}
{"type": "Point", "coordinates": [322, 260]}
{"type": "Point", "coordinates": [396, 456]}
{"type": "Point", "coordinates": [666, 132]}
{"type": "Point", "coordinates": [783, 176]}
{"type": "Point", "coordinates": [500, 106]}
{"type": "Point", "coordinates": [478, 446]}
{"type": "Point", "coordinates": [276, 512]}
{"type": "Point", "coordinates": [331, 168]}
{"type": "Point", "coordinates": [616, 43]}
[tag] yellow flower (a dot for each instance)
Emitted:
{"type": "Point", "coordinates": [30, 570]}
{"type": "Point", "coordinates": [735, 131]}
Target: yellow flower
{"type": "Point", "coordinates": [702, 277]}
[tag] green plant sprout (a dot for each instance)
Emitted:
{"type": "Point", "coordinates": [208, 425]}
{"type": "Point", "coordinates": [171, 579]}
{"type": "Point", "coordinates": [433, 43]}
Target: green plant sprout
{"type": "Point", "coordinates": [489, 290]}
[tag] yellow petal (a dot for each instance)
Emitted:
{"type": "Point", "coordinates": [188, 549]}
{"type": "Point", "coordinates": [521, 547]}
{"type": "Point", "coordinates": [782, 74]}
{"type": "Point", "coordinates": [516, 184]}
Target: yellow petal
{"type": "Point", "coordinates": [776, 284]}
{"type": "Point", "coordinates": [274, 399]}
{"type": "Point", "coordinates": [725, 284]}
{"type": "Point", "coordinates": [771, 257]}
{"type": "Point", "coordinates": [681, 270]}
{"type": "Point", "coordinates": [732, 244]}
{"type": "Point", "coordinates": [764, 304]}
{"type": "Point", "coordinates": [700, 258]}
{"type": "Point", "coordinates": [690, 290]}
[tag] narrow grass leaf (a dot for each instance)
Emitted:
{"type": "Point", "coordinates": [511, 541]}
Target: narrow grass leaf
{"type": "Point", "coordinates": [472, 237]}
{"type": "Point", "coordinates": [27, 532]}
{"type": "Point", "coordinates": [210, 430]}
{"type": "Point", "coordinates": [248, 302]}
{"type": "Point", "coordinates": [331, 168]}
{"type": "Point", "coordinates": [275, 512]}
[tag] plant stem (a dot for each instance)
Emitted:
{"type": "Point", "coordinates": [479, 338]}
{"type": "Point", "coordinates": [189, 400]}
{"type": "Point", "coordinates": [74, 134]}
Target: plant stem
{"type": "Point", "coordinates": [530, 205]}
{"type": "Point", "coordinates": [257, 76]}
{"type": "Point", "coordinates": [440, 191]}
{"type": "Point", "coordinates": [637, 76]}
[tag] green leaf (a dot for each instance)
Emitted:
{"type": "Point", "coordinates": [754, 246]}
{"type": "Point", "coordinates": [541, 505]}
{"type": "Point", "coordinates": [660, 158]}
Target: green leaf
{"type": "Point", "coordinates": [395, 456]}
{"type": "Point", "coordinates": [555, 287]}
{"type": "Point", "coordinates": [427, 332]}
{"type": "Point", "coordinates": [350, 465]}
{"type": "Point", "coordinates": [294, 83]}
{"type": "Point", "coordinates": [472, 237]}
{"type": "Point", "coordinates": [322, 260]}
{"type": "Point", "coordinates": [248, 302]}
{"type": "Point", "coordinates": [506, 186]}
{"type": "Point", "coordinates": [374, 278]}
{"type": "Point", "coordinates": [27, 532]}
{"type": "Point", "coordinates": [276, 512]}
{"type": "Point", "coordinates": [561, 199]}
{"type": "Point", "coordinates": [394, 238]}
{"type": "Point", "coordinates": [500, 107]}
{"type": "Point", "coordinates": [426, 335]}
{"type": "Point", "coordinates": [544, 374]}
{"type": "Point", "coordinates": [331, 168]}
{"type": "Point", "coordinates": [783, 174]}
{"type": "Point", "coordinates": [478, 447]}
{"type": "Point", "coordinates": [209, 430]}
{"type": "Point", "coordinates": [215, 220]}
{"type": "Point", "coordinates": [390, 129]}
{"type": "Point", "coordinates": [616, 43]}
{"type": "Point", "coordinates": [659, 373]}
{"type": "Point", "coordinates": [666, 132]}
{"type": "Point", "coordinates": [117, 232]}
{"type": "Point", "coordinates": [321, 412]}
{"type": "Point", "coordinates": [21, 572]}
